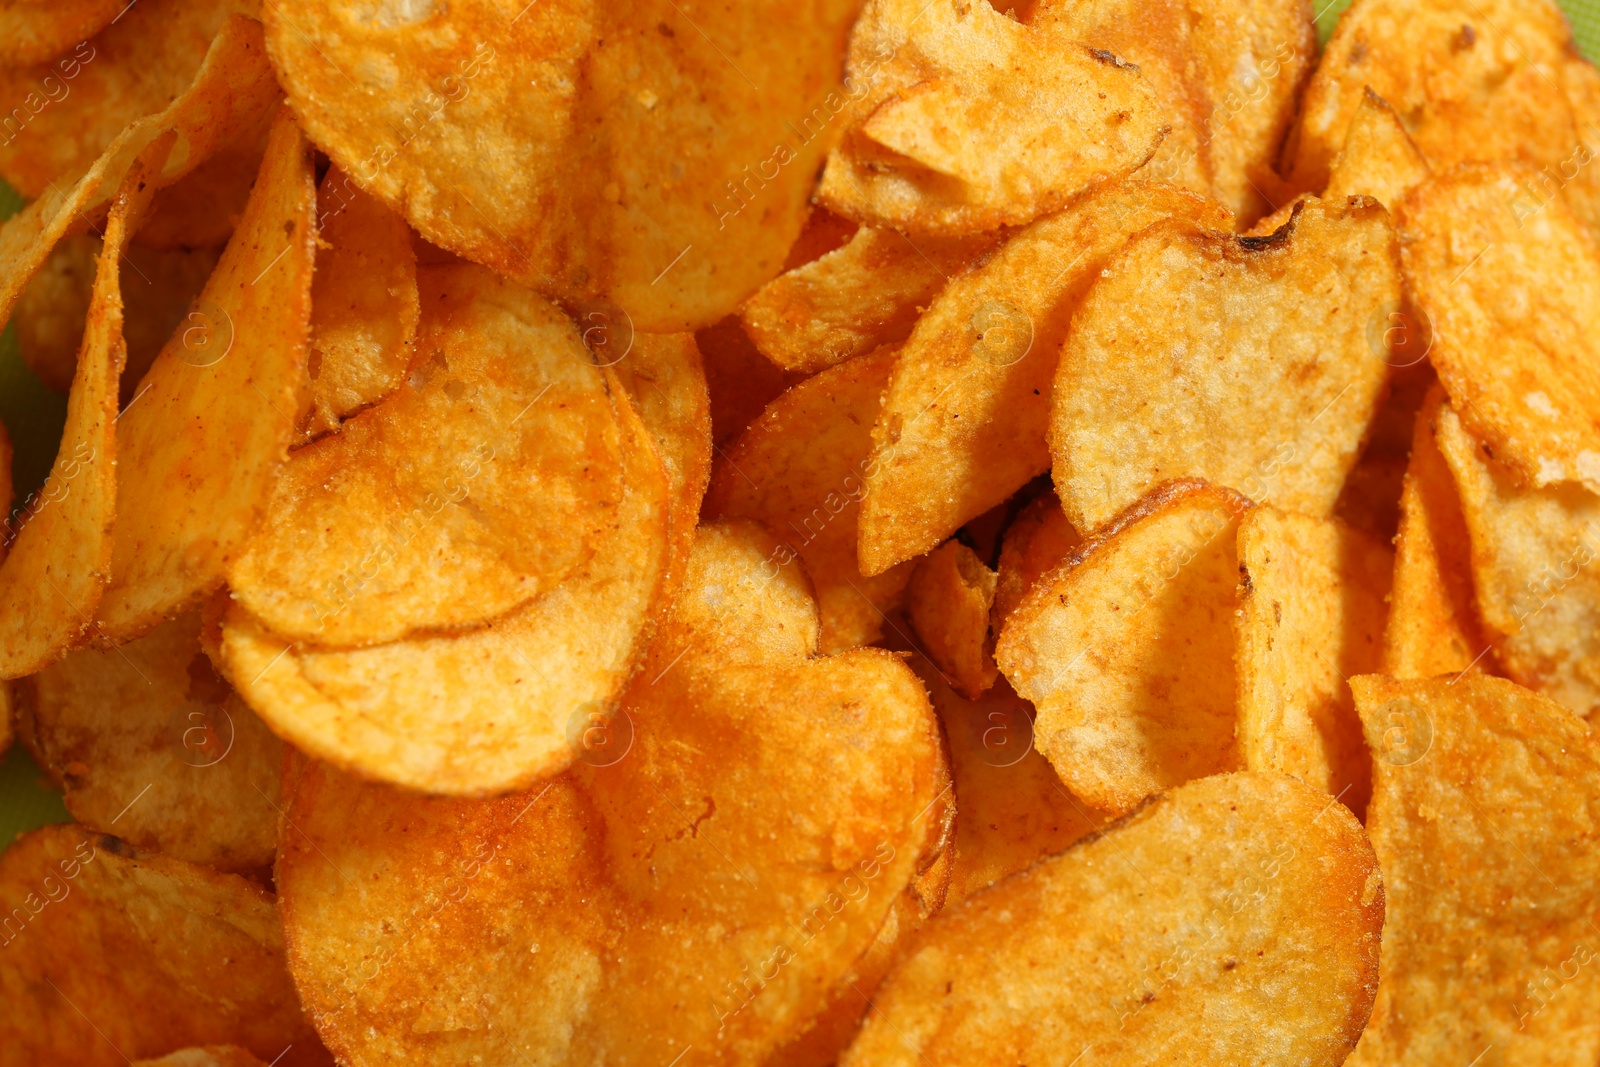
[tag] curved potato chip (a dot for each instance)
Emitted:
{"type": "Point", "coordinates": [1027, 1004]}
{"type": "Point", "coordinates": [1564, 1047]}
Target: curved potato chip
{"type": "Point", "coordinates": [1311, 614]}
{"type": "Point", "coordinates": [33, 31]}
{"type": "Point", "coordinates": [801, 468]}
{"type": "Point", "coordinates": [688, 893]}
{"type": "Point", "coordinates": [1127, 649]}
{"type": "Point", "coordinates": [488, 710]}
{"type": "Point", "coordinates": [148, 742]}
{"type": "Point", "coordinates": [1038, 540]}
{"type": "Point", "coordinates": [1232, 920]}
{"type": "Point", "coordinates": [964, 422]}
{"type": "Point", "coordinates": [109, 953]}
{"type": "Point", "coordinates": [954, 124]}
{"type": "Point", "coordinates": [488, 477]}
{"type": "Point", "coordinates": [742, 381]}
{"type": "Point", "coordinates": [948, 600]}
{"type": "Point", "coordinates": [1254, 363]}
{"type": "Point", "coordinates": [210, 1056]}
{"type": "Point", "coordinates": [1512, 288]}
{"type": "Point", "coordinates": [1483, 816]}
{"type": "Point", "coordinates": [202, 448]}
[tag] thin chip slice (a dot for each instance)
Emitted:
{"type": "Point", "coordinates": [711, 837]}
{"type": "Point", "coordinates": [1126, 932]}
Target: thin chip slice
{"type": "Point", "coordinates": [1535, 557]}
{"type": "Point", "coordinates": [1513, 291]}
{"type": "Point", "coordinates": [1038, 540]}
{"type": "Point", "coordinates": [1484, 814]}
{"type": "Point", "coordinates": [1249, 362]}
{"type": "Point", "coordinates": [149, 743]}
{"type": "Point", "coordinates": [964, 423]}
{"type": "Point", "coordinates": [690, 892]}
{"type": "Point", "coordinates": [801, 469]}
{"type": "Point", "coordinates": [200, 452]}
{"type": "Point", "coordinates": [1232, 920]}
{"type": "Point", "coordinates": [364, 303]}
{"type": "Point", "coordinates": [492, 709]}
{"type": "Point", "coordinates": [1312, 610]}
{"type": "Point", "coordinates": [487, 478]}
{"type": "Point", "coordinates": [949, 600]}
{"type": "Point", "coordinates": [1127, 650]}
{"type": "Point", "coordinates": [35, 31]}
{"type": "Point", "coordinates": [210, 1056]}
{"type": "Point", "coordinates": [154, 952]}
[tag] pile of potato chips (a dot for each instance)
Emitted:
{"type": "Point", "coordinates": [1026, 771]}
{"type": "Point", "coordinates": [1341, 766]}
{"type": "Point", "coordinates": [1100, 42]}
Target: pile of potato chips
{"type": "Point", "coordinates": [861, 532]}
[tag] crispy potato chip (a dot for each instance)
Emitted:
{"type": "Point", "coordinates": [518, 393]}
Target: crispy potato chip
{"type": "Point", "coordinates": [148, 742]}
{"type": "Point", "coordinates": [1534, 572]}
{"type": "Point", "coordinates": [742, 381]}
{"type": "Point", "coordinates": [964, 423]}
{"type": "Point", "coordinates": [846, 303]}
{"type": "Point", "coordinates": [492, 709]}
{"type": "Point", "coordinates": [801, 468]}
{"type": "Point", "coordinates": [33, 31]}
{"type": "Point", "coordinates": [1483, 816]}
{"type": "Point", "coordinates": [1232, 920]}
{"type": "Point", "coordinates": [1127, 649]}
{"type": "Point", "coordinates": [491, 475]}
{"type": "Point", "coordinates": [948, 600]}
{"type": "Point", "coordinates": [1432, 628]}
{"type": "Point", "coordinates": [110, 954]}
{"type": "Point", "coordinates": [1312, 610]}
{"type": "Point", "coordinates": [1255, 363]}
{"type": "Point", "coordinates": [200, 451]}
{"type": "Point", "coordinates": [364, 303]}
{"type": "Point", "coordinates": [954, 119]}
{"type": "Point", "coordinates": [1038, 540]}
{"type": "Point", "coordinates": [210, 1056]}
{"type": "Point", "coordinates": [689, 893]}
{"type": "Point", "coordinates": [1513, 291]}
{"type": "Point", "coordinates": [639, 164]}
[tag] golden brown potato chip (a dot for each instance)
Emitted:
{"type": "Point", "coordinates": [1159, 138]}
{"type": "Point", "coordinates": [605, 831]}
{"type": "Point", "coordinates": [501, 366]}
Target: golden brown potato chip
{"type": "Point", "coordinates": [150, 744]}
{"type": "Point", "coordinates": [1311, 614]}
{"type": "Point", "coordinates": [33, 31]}
{"type": "Point", "coordinates": [200, 450]}
{"type": "Point", "coordinates": [1483, 816]}
{"type": "Point", "coordinates": [488, 477]}
{"type": "Point", "coordinates": [1127, 649]}
{"type": "Point", "coordinates": [742, 381]}
{"type": "Point", "coordinates": [689, 892]}
{"type": "Point", "coordinates": [1232, 920]}
{"type": "Point", "coordinates": [592, 150]}
{"type": "Point", "coordinates": [849, 301]}
{"type": "Point", "coordinates": [948, 600]}
{"type": "Point", "coordinates": [1535, 576]}
{"type": "Point", "coordinates": [1255, 363]}
{"type": "Point", "coordinates": [364, 303]}
{"type": "Point", "coordinates": [964, 423]}
{"type": "Point", "coordinates": [1432, 628]}
{"type": "Point", "coordinates": [1038, 540]}
{"type": "Point", "coordinates": [491, 709]}
{"type": "Point", "coordinates": [960, 119]}
{"type": "Point", "coordinates": [110, 953]}
{"type": "Point", "coordinates": [210, 1056]}
{"type": "Point", "coordinates": [801, 469]}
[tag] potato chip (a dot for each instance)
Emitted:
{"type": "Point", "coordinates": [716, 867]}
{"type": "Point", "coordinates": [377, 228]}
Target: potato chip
{"type": "Point", "coordinates": [964, 423]}
{"type": "Point", "coordinates": [688, 892]}
{"type": "Point", "coordinates": [1127, 650]}
{"type": "Point", "coordinates": [200, 450]}
{"type": "Point", "coordinates": [1038, 540]}
{"type": "Point", "coordinates": [742, 382]}
{"type": "Point", "coordinates": [33, 31]}
{"type": "Point", "coordinates": [1312, 609]}
{"type": "Point", "coordinates": [853, 299]}
{"type": "Point", "coordinates": [111, 953]}
{"type": "Point", "coordinates": [802, 468]}
{"type": "Point", "coordinates": [954, 124]}
{"type": "Point", "coordinates": [948, 601]}
{"type": "Point", "coordinates": [150, 744]}
{"type": "Point", "coordinates": [1483, 816]}
{"type": "Point", "coordinates": [1432, 628]}
{"type": "Point", "coordinates": [1232, 920]}
{"type": "Point", "coordinates": [364, 303]}
{"type": "Point", "coordinates": [1534, 572]}
{"type": "Point", "coordinates": [201, 209]}
{"type": "Point", "coordinates": [488, 710]}
{"type": "Point", "coordinates": [210, 1056]}
{"type": "Point", "coordinates": [1255, 363]}
{"type": "Point", "coordinates": [490, 476]}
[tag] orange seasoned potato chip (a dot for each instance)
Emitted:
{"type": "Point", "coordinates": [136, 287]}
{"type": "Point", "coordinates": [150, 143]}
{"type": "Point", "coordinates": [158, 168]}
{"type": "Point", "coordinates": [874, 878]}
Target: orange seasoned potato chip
{"type": "Point", "coordinates": [741, 381]}
{"type": "Point", "coordinates": [150, 744]}
{"type": "Point", "coordinates": [1484, 818]}
{"type": "Point", "coordinates": [1037, 541]}
{"type": "Point", "coordinates": [33, 31]}
{"type": "Point", "coordinates": [1254, 363]}
{"type": "Point", "coordinates": [1311, 614]}
{"type": "Point", "coordinates": [1231, 920]}
{"type": "Point", "coordinates": [949, 600]}
{"type": "Point", "coordinates": [111, 953]}
{"type": "Point", "coordinates": [1127, 649]}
